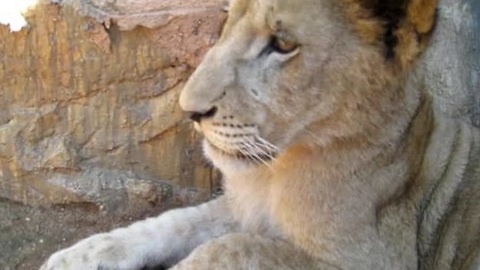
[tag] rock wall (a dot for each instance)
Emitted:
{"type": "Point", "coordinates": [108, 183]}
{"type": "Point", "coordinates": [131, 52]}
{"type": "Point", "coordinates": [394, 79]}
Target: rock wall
{"type": "Point", "coordinates": [451, 66]}
{"type": "Point", "coordinates": [88, 102]}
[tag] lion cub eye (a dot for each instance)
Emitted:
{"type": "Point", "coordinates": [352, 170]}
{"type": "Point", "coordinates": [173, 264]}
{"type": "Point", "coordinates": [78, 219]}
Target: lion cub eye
{"type": "Point", "coordinates": [282, 45]}
{"type": "Point", "coordinates": [280, 42]}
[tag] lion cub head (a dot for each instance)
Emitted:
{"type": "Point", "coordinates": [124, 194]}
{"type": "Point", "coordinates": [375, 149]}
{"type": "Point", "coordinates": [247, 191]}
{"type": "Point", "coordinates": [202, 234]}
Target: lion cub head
{"type": "Point", "coordinates": [307, 72]}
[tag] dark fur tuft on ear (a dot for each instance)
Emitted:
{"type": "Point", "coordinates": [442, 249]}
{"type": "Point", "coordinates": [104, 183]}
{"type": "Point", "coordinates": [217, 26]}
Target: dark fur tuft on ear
{"type": "Point", "coordinates": [391, 12]}
{"type": "Point", "coordinates": [416, 16]}
{"type": "Point", "coordinates": [401, 27]}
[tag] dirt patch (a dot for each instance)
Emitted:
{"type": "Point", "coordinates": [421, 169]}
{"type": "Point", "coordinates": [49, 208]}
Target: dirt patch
{"type": "Point", "coordinates": [28, 235]}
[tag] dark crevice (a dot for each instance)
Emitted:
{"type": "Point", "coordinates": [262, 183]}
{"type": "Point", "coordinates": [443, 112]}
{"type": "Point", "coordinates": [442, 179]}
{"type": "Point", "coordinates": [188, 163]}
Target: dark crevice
{"type": "Point", "coordinates": [114, 33]}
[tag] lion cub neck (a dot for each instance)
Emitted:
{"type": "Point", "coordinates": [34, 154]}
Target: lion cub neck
{"type": "Point", "coordinates": [322, 181]}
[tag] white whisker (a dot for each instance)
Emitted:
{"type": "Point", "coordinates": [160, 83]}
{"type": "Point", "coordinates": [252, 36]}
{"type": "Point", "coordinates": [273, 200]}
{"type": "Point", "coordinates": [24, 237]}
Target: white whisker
{"type": "Point", "coordinates": [263, 150]}
{"type": "Point", "coordinates": [268, 144]}
{"type": "Point", "coordinates": [255, 148]}
{"type": "Point", "coordinates": [258, 148]}
{"type": "Point", "coordinates": [267, 148]}
{"type": "Point", "coordinates": [250, 152]}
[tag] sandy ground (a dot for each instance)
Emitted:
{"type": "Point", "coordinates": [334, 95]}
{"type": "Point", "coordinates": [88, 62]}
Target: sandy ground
{"type": "Point", "coordinates": [28, 234]}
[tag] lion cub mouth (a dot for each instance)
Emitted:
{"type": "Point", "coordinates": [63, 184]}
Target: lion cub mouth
{"type": "Point", "coordinates": [239, 141]}
{"type": "Point", "coordinates": [256, 154]}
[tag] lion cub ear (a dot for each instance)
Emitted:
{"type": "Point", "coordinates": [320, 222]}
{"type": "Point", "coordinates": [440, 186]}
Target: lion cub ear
{"type": "Point", "coordinates": [421, 14]}
{"type": "Point", "coordinates": [407, 26]}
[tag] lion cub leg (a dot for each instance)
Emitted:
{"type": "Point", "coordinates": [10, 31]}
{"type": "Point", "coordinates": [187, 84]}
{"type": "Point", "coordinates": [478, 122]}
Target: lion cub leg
{"type": "Point", "coordinates": [248, 251]}
{"type": "Point", "coordinates": [162, 240]}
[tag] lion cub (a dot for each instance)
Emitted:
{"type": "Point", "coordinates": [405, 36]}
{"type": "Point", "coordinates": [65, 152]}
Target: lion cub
{"type": "Point", "coordinates": [332, 155]}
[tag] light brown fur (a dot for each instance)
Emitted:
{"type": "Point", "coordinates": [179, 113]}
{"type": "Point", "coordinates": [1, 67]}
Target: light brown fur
{"type": "Point", "coordinates": [333, 156]}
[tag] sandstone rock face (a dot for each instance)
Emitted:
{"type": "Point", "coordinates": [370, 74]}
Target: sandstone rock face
{"type": "Point", "coordinates": [88, 102]}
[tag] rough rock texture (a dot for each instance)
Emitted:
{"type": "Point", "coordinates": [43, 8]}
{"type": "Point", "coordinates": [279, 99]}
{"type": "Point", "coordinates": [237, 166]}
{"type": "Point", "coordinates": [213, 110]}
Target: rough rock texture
{"type": "Point", "coordinates": [28, 235]}
{"type": "Point", "coordinates": [451, 66]}
{"type": "Point", "coordinates": [88, 102]}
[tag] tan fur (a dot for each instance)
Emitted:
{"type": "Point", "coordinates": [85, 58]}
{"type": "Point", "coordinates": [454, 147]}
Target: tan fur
{"type": "Point", "coordinates": [421, 14]}
{"type": "Point", "coordinates": [332, 155]}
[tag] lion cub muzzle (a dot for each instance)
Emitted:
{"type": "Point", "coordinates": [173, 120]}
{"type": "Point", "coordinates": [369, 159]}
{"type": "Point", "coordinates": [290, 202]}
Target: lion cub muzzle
{"type": "Point", "coordinates": [198, 116]}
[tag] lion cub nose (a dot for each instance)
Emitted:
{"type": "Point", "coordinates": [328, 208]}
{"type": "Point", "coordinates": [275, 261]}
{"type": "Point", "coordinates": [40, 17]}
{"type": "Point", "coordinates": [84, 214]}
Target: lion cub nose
{"type": "Point", "coordinates": [198, 116]}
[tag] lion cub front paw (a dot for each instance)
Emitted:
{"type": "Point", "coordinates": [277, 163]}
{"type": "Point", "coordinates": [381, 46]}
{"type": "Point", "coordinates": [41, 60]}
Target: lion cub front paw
{"type": "Point", "coordinates": [101, 251]}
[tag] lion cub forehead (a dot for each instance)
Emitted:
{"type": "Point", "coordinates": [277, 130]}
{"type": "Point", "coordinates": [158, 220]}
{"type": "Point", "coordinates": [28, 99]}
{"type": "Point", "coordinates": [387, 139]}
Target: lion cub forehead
{"type": "Point", "coordinates": [268, 13]}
